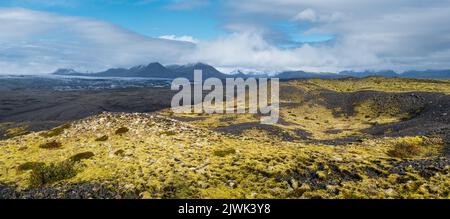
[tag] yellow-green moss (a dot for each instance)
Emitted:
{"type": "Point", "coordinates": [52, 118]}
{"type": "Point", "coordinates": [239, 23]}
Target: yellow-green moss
{"type": "Point", "coordinates": [185, 165]}
{"type": "Point", "coordinates": [223, 153]}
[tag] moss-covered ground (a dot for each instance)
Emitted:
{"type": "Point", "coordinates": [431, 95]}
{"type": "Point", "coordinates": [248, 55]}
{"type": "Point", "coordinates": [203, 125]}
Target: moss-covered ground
{"type": "Point", "coordinates": [317, 150]}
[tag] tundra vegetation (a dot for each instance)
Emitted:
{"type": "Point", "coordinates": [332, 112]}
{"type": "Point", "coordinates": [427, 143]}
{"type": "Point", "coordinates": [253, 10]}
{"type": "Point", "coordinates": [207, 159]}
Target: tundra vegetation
{"type": "Point", "coordinates": [346, 138]}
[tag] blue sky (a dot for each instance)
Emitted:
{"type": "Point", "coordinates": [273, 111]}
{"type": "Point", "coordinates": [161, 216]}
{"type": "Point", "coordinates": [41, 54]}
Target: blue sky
{"type": "Point", "coordinates": [250, 35]}
{"type": "Point", "coordinates": [151, 18]}
{"type": "Point", "coordinates": [200, 19]}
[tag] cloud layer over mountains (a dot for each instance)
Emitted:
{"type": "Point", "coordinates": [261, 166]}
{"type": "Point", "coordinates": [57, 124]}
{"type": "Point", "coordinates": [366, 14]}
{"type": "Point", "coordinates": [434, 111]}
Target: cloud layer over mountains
{"type": "Point", "coordinates": [382, 34]}
{"type": "Point", "coordinates": [37, 42]}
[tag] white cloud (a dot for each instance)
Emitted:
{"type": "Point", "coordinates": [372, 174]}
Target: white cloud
{"type": "Point", "coordinates": [251, 52]}
{"type": "Point", "coordinates": [401, 34]}
{"type": "Point", "coordinates": [38, 42]}
{"type": "Point", "coordinates": [382, 34]}
{"type": "Point", "coordinates": [306, 15]}
{"type": "Point", "coordinates": [180, 38]}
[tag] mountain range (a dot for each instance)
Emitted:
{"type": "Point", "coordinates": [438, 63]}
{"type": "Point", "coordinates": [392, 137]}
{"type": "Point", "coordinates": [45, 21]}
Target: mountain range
{"type": "Point", "coordinates": [152, 70]}
{"type": "Point", "coordinates": [156, 70]}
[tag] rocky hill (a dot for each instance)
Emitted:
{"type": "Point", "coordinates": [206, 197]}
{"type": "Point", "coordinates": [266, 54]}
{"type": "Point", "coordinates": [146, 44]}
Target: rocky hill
{"type": "Point", "coordinates": [151, 156]}
{"type": "Point", "coordinates": [346, 138]}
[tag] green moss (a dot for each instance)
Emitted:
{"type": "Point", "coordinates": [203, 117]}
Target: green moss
{"type": "Point", "coordinates": [350, 194]}
{"type": "Point", "coordinates": [223, 153]}
{"type": "Point", "coordinates": [51, 145]}
{"type": "Point", "coordinates": [122, 130]}
{"type": "Point", "coordinates": [81, 156]}
{"type": "Point", "coordinates": [378, 84]}
{"type": "Point", "coordinates": [217, 165]}
{"type": "Point", "coordinates": [46, 174]}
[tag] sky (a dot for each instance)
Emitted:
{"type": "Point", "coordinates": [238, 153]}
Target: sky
{"type": "Point", "coordinates": [40, 36]}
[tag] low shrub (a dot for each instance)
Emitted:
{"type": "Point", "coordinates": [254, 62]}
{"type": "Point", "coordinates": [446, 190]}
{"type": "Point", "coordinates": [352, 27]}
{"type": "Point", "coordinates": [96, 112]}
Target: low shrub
{"type": "Point", "coordinates": [81, 156]}
{"type": "Point", "coordinates": [51, 145]}
{"type": "Point", "coordinates": [56, 131]}
{"type": "Point", "coordinates": [103, 138]}
{"type": "Point", "coordinates": [122, 130]}
{"type": "Point", "coordinates": [46, 174]}
{"type": "Point", "coordinates": [407, 147]}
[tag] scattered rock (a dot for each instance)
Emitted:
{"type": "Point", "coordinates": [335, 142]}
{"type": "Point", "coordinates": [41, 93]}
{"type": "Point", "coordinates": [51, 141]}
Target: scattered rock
{"type": "Point", "coordinates": [119, 152]}
{"type": "Point", "coordinates": [121, 131]}
{"type": "Point", "coordinates": [103, 138]}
